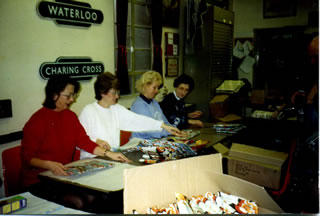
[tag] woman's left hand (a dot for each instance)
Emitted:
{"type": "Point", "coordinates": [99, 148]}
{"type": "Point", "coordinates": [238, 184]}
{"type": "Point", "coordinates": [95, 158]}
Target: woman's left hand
{"type": "Point", "coordinates": [196, 122]}
{"type": "Point", "coordinates": [195, 114]}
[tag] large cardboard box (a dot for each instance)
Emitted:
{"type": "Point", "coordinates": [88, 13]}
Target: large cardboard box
{"type": "Point", "coordinates": [219, 106]}
{"type": "Point", "coordinates": [155, 185]}
{"type": "Point", "coordinates": [256, 165]}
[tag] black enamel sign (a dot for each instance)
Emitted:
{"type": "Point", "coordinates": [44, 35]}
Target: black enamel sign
{"type": "Point", "coordinates": [69, 12]}
{"type": "Point", "coordinates": [76, 67]}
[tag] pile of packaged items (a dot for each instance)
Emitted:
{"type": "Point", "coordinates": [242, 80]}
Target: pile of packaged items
{"type": "Point", "coordinates": [261, 114]}
{"type": "Point", "coordinates": [220, 203]}
{"type": "Point", "coordinates": [228, 128]}
{"type": "Point", "coordinates": [88, 166]}
{"type": "Point", "coordinates": [155, 151]}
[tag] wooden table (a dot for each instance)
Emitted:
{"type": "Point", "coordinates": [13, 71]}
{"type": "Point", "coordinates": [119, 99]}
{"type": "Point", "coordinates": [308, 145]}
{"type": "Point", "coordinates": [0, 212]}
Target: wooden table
{"type": "Point", "coordinates": [209, 133]}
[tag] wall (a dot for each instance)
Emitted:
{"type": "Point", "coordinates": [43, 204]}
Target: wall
{"type": "Point", "coordinates": [28, 40]}
{"type": "Point", "coordinates": [249, 15]}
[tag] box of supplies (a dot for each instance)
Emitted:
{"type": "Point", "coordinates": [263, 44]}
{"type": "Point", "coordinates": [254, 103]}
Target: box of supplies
{"type": "Point", "coordinates": [12, 204]}
{"type": "Point", "coordinates": [260, 166]}
{"type": "Point", "coordinates": [219, 106]}
{"type": "Point", "coordinates": [157, 184]}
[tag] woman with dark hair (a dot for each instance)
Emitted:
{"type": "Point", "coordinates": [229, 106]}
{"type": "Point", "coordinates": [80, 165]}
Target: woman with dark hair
{"type": "Point", "coordinates": [173, 105]}
{"type": "Point", "coordinates": [104, 118]}
{"type": "Point", "coordinates": [57, 85]}
{"type": "Point", "coordinates": [50, 138]}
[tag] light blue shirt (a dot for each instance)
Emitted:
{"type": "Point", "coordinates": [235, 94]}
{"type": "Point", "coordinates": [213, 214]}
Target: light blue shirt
{"type": "Point", "coordinates": [150, 108]}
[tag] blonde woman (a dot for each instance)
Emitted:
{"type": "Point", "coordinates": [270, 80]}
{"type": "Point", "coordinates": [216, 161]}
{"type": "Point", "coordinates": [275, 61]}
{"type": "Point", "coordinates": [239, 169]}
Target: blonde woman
{"type": "Point", "coordinates": [148, 87]}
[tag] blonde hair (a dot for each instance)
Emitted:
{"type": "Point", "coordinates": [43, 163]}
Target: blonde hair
{"type": "Point", "coordinates": [148, 78]}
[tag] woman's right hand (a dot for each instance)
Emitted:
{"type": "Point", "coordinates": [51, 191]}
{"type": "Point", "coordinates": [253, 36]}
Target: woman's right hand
{"type": "Point", "coordinates": [117, 156]}
{"type": "Point", "coordinates": [57, 168]}
{"type": "Point", "coordinates": [172, 130]}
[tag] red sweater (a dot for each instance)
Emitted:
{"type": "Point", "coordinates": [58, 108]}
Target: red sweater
{"type": "Point", "coordinates": [54, 136]}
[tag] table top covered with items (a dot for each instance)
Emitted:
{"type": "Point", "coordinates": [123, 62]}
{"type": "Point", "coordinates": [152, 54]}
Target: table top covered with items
{"type": "Point", "coordinates": [167, 154]}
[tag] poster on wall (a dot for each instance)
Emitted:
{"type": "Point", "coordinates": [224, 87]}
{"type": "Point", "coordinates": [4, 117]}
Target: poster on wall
{"type": "Point", "coordinates": [172, 67]}
{"type": "Point", "coordinates": [172, 44]}
{"type": "Point", "coordinates": [81, 68]}
{"type": "Point", "coordinates": [276, 8]}
{"type": "Point", "coordinates": [68, 12]}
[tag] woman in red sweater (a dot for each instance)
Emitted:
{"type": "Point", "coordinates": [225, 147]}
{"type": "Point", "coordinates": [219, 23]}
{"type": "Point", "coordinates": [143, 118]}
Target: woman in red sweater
{"type": "Point", "coordinates": [50, 138]}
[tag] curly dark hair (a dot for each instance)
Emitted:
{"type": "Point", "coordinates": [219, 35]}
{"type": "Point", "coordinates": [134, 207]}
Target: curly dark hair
{"type": "Point", "coordinates": [184, 79]}
{"type": "Point", "coordinates": [105, 81]}
{"type": "Point", "coordinates": [55, 85]}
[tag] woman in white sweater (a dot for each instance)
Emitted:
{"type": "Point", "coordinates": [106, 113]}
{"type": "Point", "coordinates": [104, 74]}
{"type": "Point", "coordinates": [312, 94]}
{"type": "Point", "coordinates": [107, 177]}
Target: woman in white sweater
{"type": "Point", "coordinates": [104, 118]}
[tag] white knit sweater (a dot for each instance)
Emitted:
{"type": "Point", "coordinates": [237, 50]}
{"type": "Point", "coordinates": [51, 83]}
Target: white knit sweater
{"type": "Point", "coordinates": [106, 123]}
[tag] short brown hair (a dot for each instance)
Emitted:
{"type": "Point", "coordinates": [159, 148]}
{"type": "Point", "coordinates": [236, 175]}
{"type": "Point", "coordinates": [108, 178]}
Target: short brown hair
{"type": "Point", "coordinates": [104, 82]}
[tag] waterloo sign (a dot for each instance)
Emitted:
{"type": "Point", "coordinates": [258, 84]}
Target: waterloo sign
{"type": "Point", "coordinates": [77, 67]}
{"type": "Point", "coordinates": [68, 12]}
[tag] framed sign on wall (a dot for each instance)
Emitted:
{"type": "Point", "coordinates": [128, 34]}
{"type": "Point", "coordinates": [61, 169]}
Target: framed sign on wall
{"type": "Point", "coordinates": [276, 8]}
{"type": "Point", "coordinates": [172, 54]}
{"type": "Point", "coordinates": [172, 66]}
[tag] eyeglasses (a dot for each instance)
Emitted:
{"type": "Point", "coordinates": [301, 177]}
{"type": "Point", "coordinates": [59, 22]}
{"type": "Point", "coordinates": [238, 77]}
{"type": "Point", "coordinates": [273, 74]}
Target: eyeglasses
{"type": "Point", "coordinates": [70, 96]}
{"type": "Point", "coordinates": [115, 92]}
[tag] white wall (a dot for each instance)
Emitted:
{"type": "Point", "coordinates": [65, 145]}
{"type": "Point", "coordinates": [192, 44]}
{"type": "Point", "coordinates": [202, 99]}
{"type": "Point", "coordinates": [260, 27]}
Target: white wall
{"type": "Point", "coordinates": [28, 40]}
{"type": "Point", "coordinates": [249, 15]}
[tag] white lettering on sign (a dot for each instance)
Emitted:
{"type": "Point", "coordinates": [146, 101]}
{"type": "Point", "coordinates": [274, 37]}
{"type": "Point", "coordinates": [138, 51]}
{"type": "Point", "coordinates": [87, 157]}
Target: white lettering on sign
{"type": "Point", "coordinates": [62, 70]}
{"type": "Point", "coordinates": [72, 13]}
{"type": "Point", "coordinates": [92, 69]}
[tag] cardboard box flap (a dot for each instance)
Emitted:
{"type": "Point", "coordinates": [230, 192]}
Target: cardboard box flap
{"type": "Point", "coordinates": [257, 154]}
{"type": "Point", "coordinates": [219, 99]}
{"type": "Point", "coordinates": [221, 148]}
{"type": "Point", "coordinates": [244, 189]}
{"type": "Point", "coordinates": [155, 184]}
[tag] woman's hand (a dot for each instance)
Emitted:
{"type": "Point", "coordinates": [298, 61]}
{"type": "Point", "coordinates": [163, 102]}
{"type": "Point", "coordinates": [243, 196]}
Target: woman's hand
{"type": "Point", "coordinates": [183, 134]}
{"type": "Point", "coordinates": [195, 114]}
{"type": "Point", "coordinates": [57, 168]}
{"type": "Point", "coordinates": [104, 144]}
{"type": "Point", "coordinates": [117, 156]}
{"type": "Point", "coordinates": [196, 122]}
{"type": "Point", "coordinates": [172, 130]}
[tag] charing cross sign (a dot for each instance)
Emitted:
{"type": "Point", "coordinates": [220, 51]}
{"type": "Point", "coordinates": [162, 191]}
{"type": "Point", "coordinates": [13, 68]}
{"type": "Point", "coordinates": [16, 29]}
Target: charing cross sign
{"type": "Point", "coordinates": [77, 67]}
{"type": "Point", "coordinates": [70, 12]}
